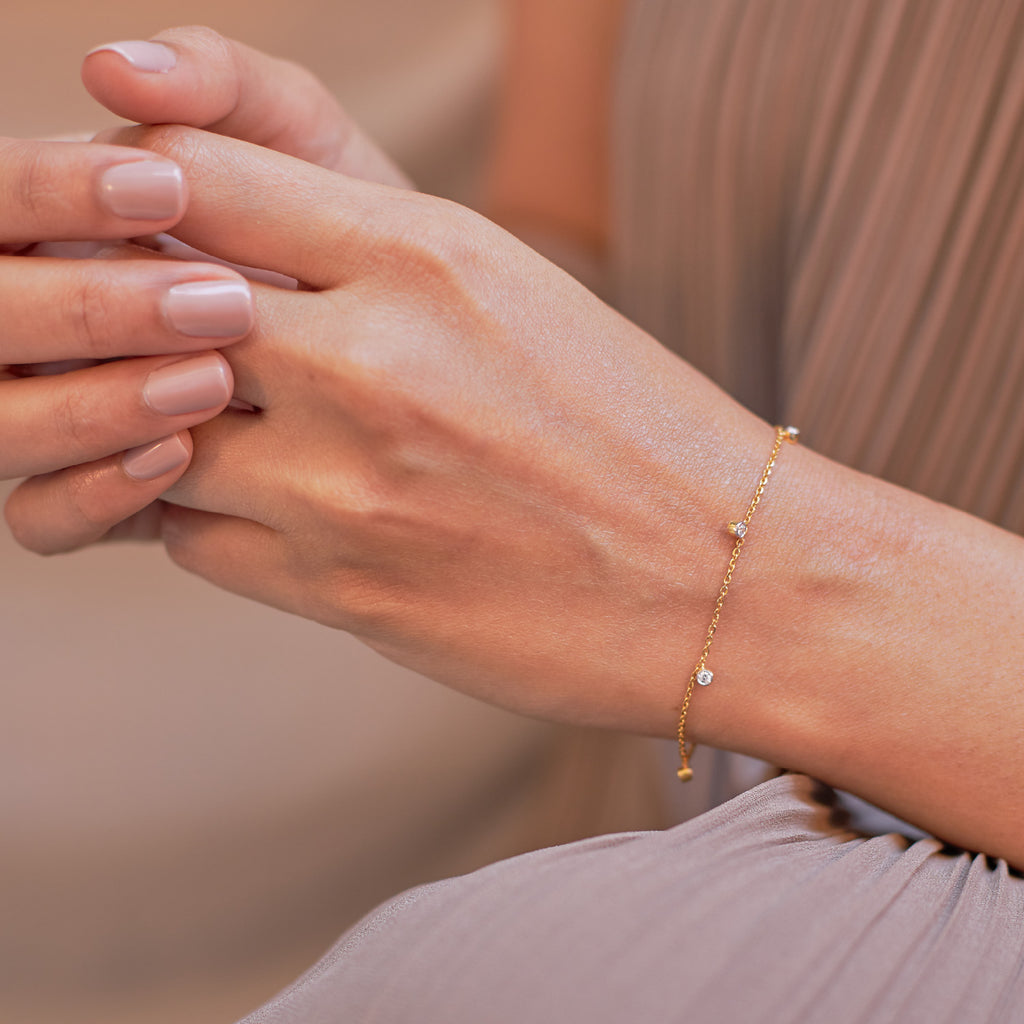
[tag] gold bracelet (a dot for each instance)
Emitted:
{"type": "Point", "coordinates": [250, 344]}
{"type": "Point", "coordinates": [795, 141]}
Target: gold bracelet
{"type": "Point", "coordinates": [702, 675]}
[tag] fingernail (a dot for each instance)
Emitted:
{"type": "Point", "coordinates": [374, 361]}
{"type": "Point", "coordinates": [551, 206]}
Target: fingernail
{"type": "Point", "coordinates": [149, 461]}
{"type": "Point", "coordinates": [143, 56]}
{"type": "Point", "coordinates": [210, 309]}
{"type": "Point", "coordinates": [144, 190]}
{"type": "Point", "coordinates": [189, 386]}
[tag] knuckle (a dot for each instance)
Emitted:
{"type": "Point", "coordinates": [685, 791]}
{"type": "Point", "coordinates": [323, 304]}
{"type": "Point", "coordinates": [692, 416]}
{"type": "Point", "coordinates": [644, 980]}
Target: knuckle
{"type": "Point", "coordinates": [78, 422]}
{"type": "Point", "coordinates": [88, 502]}
{"type": "Point", "coordinates": [438, 243]}
{"type": "Point", "coordinates": [415, 254]}
{"type": "Point", "coordinates": [175, 142]}
{"type": "Point", "coordinates": [92, 313]}
{"type": "Point", "coordinates": [37, 187]}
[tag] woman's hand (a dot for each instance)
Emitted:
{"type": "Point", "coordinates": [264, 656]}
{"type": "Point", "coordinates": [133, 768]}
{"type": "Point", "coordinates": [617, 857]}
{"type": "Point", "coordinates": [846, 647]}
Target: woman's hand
{"type": "Point", "coordinates": [195, 76]}
{"type": "Point", "coordinates": [467, 460]}
{"type": "Point", "coordinates": [188, 75]}
{"type": "Point", "coordinates": [75, 426]}
{"type": "Point", "coordinates": [461, 455]}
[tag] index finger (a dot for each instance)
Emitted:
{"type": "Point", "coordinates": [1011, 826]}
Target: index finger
{"type": "Point", "coordinates": [69, 191]}
{"type": "Point", "coordinates": [254, 207]}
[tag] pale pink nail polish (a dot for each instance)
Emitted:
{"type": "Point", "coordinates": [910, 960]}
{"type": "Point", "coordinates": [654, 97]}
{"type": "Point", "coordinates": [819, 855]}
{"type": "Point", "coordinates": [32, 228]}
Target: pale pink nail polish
{"type": "Point", "coordinates": [210, 309]}
{"type": "Point", "coordinates": [142, 55]}
{"type": "Point", "coordinates": [189, 386]}
{"type": "Point", "coordinates": [149, 461]}
{"type": "Point", "coordinates": [144, 190]}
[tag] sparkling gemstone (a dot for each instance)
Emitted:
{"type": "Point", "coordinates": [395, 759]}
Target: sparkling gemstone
{"type": "Point", "coordinates": [793, 433]}
{"type": "Point", "coordinates": [704, 676]}
{"type": "Point", "coordinates": [738, 529]}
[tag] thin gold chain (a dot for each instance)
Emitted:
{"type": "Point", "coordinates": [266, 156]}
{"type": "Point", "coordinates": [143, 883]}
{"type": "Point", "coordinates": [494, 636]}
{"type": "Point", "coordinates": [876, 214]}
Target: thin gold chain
{"type": "Point", "coordinates": [701, 673]}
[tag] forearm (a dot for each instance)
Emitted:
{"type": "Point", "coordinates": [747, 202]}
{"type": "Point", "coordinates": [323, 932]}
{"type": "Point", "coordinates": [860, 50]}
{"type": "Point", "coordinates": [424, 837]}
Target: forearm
{"type": "Point", "coordinates": [872, 638]}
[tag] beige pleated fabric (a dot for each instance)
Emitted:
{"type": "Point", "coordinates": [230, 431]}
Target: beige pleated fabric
{"type": "Point", "coordinates": [820, 204]}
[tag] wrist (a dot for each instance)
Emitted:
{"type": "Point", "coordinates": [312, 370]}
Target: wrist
{"type": "Point", "coordinates": [873, 639]}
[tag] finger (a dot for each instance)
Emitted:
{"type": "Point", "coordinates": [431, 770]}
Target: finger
{"type": "Point", "coordinates": [258, 361]}
{"type": "Point", "coordinates": [67, 191]}
{"type": "Point", "coordinates": [255, 207]}
{"type": "Point", "coordinates": [230, 552]}
{"type": "Point", "coordinates": [169, 246]}
{"type": "Point", "coordinates": [74, 507]}
{"type": "Point", "coordinates": [228, 461]}
{"type": "Point", "coordinates": [144, 525]}
{"type": "Point", "coordinates": [197, 77]}
{"type": "Point", "coordinates": [101, 309]}
{"type": "Point", "coordinates": [50, 423]}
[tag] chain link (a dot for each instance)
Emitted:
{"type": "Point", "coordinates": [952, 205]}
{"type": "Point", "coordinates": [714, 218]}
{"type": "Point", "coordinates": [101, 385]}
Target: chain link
{"type": "Point", "coordinates": [739, 530]}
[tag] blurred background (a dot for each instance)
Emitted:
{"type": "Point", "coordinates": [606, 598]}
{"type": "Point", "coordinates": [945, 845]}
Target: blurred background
{"type": "Point", "coordinates": [197, 794]}
{"type": "Point", "coordinates": [419, 74]}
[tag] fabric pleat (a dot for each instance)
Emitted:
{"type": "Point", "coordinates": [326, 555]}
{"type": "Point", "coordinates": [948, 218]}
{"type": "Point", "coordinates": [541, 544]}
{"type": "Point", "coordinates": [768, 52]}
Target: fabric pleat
{"type": "Point", "coordinates": [766, 909]}
{"type": "Point", "coordinates": [821, 206]}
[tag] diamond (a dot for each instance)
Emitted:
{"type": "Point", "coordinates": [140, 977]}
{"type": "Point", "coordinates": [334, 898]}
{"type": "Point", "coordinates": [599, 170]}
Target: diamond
{"type": "Point", "coordinates": [704, 676]}
{"type": "Point", "coordinates": [738, 529]}
{"type": "Point", "coordinates": [792, 433]}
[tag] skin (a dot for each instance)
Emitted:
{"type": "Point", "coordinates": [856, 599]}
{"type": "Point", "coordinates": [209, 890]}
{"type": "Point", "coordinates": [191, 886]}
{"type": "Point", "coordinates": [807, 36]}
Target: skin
{"type": "Point", "coordinates": [467, 460]}
{"type": "Point", "coordinates": [57, 310]}
{"type": "Point", "coordinates": [542, 176]}
{"type": "Point", "coordinates": [230, 89]}
{"type": "Point", "coordinates": [471, 463]}
{"type": "Point", "coordinates": [79, 491]}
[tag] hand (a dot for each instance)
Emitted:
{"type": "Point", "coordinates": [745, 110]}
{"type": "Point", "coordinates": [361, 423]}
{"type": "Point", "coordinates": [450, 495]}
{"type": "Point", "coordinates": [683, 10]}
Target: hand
{"type": "Point", "coordinates": [467, 460]}
{"type": "Point", "coordinates": [208, 81]}
{"type": "Point", "coordinates": [194, 76]}
{"type": "Point", "coordinates": [462, 456]}
{"type": "Point", "coordinates": [74, 426]}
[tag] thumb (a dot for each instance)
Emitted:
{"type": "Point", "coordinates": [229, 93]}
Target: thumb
{"type": "Point", "coordinates": [197, 77]}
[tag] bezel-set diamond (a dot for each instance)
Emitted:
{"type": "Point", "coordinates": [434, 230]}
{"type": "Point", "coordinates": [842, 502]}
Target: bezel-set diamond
{"type": "Point", "coordinates": [702, 675]}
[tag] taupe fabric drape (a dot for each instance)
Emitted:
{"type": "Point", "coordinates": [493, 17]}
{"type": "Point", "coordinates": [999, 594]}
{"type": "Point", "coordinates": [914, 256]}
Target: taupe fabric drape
{"type": "Point", "coordinates": [821, 205]}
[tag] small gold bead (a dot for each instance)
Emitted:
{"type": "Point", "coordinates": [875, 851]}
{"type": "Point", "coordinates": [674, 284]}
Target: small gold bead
{"type": "Point", "coordinates": [685, 774]}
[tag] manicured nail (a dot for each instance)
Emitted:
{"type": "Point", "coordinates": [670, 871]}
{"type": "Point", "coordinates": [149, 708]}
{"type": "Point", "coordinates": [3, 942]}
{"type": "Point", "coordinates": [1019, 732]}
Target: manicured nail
{"type": "Point", "coordinates": [143, 56]}
{"type": "Point", "coordinates": [144, 190]}
{"type": "Point", "coordinates": [149, 461]}
{"type": "Point", "coordinates": [189, 386]}
{"type": "Point", "coordinates": [210, 309]}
